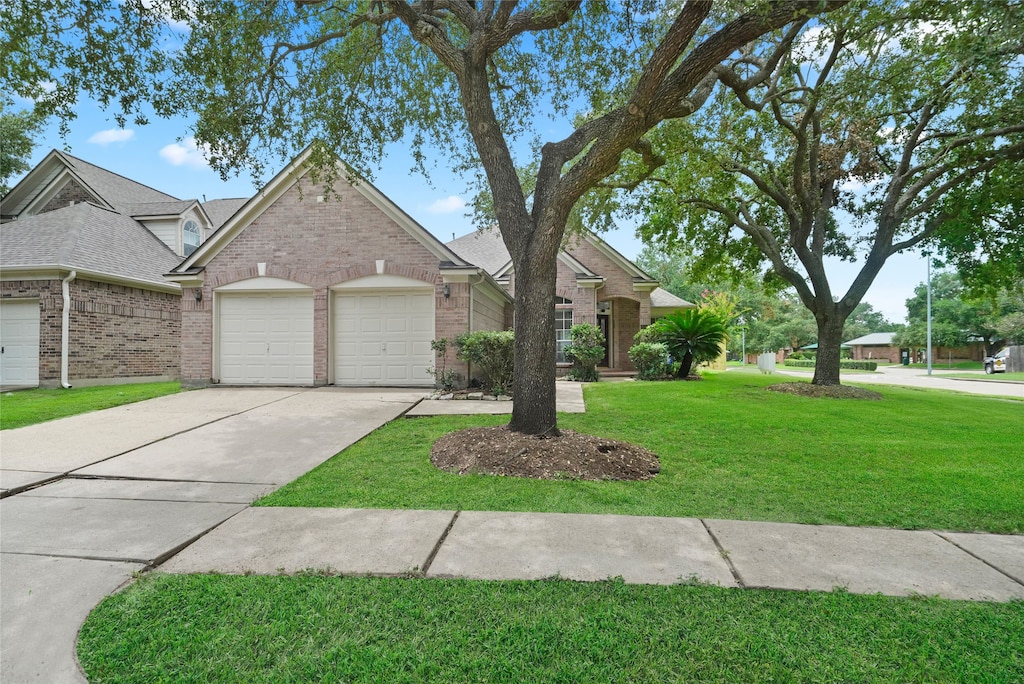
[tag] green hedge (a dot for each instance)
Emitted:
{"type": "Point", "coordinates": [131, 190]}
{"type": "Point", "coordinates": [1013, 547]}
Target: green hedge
{"type": "Point", "coordinates": [843, 365]}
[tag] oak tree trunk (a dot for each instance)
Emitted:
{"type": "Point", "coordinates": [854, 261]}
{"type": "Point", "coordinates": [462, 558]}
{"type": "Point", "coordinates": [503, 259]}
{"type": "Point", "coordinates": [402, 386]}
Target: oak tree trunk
{"type": "Point", "coordinates": [830, 337]}
{"type": "Point", "coordinates": [533, 386]}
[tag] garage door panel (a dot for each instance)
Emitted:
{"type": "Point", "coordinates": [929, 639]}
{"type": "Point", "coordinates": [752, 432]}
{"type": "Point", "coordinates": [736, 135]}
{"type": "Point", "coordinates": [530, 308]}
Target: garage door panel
{"type": "Point", "coordinates": [383, 338]}
{"type": "Point", "coordinates": [266, 338]}
{"type": "Point", "coordinates": [19, 336]}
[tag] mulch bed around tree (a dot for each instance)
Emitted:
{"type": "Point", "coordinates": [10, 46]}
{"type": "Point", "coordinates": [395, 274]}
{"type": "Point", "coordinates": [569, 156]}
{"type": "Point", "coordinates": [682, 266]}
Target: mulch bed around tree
{"type": "Point", "coordinates": [804, 389]}
{"type": "Point", "coordinates": [570, 456]}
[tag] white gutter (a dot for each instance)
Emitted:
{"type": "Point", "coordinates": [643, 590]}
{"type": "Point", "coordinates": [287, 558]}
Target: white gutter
{"type": "Point", "coordinates": [65, 329]}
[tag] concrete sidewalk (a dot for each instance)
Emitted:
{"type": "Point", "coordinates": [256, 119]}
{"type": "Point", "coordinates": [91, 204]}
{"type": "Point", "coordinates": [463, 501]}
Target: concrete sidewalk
{"type": "Point", "coordinates": [498, 545]}
{"type": "Point", "coordinates": [916, 377]}
{"type": "Point", "coordinates": [568, 399]}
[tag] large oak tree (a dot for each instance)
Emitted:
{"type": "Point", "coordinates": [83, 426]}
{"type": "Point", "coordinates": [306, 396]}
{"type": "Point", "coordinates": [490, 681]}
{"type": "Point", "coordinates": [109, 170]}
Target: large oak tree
{"type": "Point", "coordinates": [890, 125]}
{"type": "Point", "coordinates": [466, 77]}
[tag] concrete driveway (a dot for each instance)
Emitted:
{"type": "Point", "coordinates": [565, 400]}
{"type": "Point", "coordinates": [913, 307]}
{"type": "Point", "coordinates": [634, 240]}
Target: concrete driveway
{"type": "Point", "coordinates": [91, 499]}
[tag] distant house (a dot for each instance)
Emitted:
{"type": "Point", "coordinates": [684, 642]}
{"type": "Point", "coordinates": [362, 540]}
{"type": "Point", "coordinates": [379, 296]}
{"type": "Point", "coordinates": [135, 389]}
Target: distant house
{"type": "Point", "coordinates": [82, 257]}
{"type": "Point", "coordinates": [875, 347]}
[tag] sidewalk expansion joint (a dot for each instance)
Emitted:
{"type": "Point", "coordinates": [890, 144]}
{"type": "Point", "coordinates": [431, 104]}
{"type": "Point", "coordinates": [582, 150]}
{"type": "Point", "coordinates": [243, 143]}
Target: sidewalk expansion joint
{"type": "Point", "coordinates": [167, 555]}
{"type": "Point", "coordinates": [725, 555]}
{"type": "Point", "coordinates": [437, 547]}
{"type": "Point", "coordinates": [1018, 580]}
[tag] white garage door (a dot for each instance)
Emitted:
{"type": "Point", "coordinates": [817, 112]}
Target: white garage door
{"type": "Point", "coordinates": [266, 339]}
{"type": "Point", "coordinates": [383, 338]}
{"type": "Point", "coordinates": [19, 343]}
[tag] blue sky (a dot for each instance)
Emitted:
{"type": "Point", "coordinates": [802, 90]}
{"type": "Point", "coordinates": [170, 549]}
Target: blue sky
{"type": "Point", "coordinates": [162, 156]}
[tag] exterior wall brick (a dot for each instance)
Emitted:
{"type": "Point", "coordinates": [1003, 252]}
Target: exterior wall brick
{"type": "Point", "coordinates": [71, 193]}
{"type": "Point", "coordinates": [115, 332]}
{"type": "Point", "coordinates": [319, 244]}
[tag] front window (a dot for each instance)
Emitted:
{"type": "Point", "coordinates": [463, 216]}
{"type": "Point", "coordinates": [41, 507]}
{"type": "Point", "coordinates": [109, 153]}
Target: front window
{"type": "Point", "coordinates": [563, 323]}
{"type": "Point", "coordinates": [190, 237]}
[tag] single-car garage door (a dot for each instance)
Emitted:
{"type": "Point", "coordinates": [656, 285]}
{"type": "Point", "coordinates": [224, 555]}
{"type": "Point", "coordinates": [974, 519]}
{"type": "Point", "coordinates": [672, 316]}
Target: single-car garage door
{"type": "Point", "coordinates": [19, 343]}
{"type": "Point", "coordinates": [383, 337]}
{"type": "Point", "coordinates": [266, 338]}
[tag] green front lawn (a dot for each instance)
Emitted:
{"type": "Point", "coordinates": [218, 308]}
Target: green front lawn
{"type": "Point", "coordinates": [919, 459]}
{"type": "Point", "coordinates": [28, 407]}
{"type": "Point", "coordinates": [203, 628]}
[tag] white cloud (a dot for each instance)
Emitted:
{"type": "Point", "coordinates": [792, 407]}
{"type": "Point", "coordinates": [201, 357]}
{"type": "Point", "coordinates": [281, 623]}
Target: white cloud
{"type": "Point", "coordinates": [112, 135]}
{"type": "Point", "coordinates": [185, 153]}
{"type": "Point", "coordinates": [448, 205]}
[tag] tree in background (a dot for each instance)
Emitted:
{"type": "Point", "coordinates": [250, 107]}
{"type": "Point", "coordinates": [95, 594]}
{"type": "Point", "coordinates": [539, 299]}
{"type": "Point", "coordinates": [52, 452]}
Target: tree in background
{"type": "Point", "coordinates": [769, 320]}
{"type": "Point", "coordinates": [17, 140]}
{"type": "Point", "coordinates": [959, 315]}
{"type": "Point", "coordinates": [466, 77]}
{"type": "Point", "coordinates": [856, 148]}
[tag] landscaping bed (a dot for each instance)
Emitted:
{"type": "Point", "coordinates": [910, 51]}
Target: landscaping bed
{"type": "Point", "coordinates": [569, 455]}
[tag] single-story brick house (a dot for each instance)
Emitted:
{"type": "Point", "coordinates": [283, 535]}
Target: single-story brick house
{"type": "Point", "coordinates": [875, 347]}
{"type": "Point", "coordinates": [303, 286]}
{"type": "Point", "coordinates": [83, 299]}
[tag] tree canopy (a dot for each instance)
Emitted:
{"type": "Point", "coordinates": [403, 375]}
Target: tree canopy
{"type": "Point", "coordinates": [873, 136]}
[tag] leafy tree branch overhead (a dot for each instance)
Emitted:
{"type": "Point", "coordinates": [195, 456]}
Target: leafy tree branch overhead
{"type": "Point", "coordinates": [877, 132]}
{"type": "Point", "coordinates": [268, 79]}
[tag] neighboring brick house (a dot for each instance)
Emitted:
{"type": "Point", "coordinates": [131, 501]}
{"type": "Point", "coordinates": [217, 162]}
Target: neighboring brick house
{"type": "Point", "coordinates": [307, 287]}
{"type": "Point", "coordinates": [595, 284]}
{"type": "Point", "coordinates": [875, 347]}
{"type": "Point", "coordinates": [82, 255]}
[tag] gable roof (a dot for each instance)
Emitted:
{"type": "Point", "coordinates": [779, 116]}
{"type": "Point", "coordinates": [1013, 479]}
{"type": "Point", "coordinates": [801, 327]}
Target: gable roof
{"type": "Point", "coordinates": [220, 210]}
{"type": "Point", "coordinates": [486, 248]}
{"type": "Point", "coordinates": [881, 338]}
{"type": "Point", "coordinates": [285, 180]}
{"type": "Point", "coordinates": [90, 239]}
{"type": "Point", "coordinates": [663, 299]}
{"type": "Point", "coordinates": [109, 190]}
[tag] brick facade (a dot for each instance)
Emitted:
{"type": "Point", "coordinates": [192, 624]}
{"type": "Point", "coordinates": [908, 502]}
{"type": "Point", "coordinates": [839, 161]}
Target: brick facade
{"type": "Point", "coordinates": [319, 244]}
{"type": "Point", "coordinates": [115, 332]}
{"type": "Point", "coordinates": [71, 193]}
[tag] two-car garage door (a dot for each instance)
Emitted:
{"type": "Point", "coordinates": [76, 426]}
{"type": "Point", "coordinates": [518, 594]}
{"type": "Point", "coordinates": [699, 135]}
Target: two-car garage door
{"type": "Point", "coordinates": [381, 337]}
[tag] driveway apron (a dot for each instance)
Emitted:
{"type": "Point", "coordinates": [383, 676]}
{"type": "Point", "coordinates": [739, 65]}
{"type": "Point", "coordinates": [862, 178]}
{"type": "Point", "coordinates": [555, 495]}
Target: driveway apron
{"type": "Point", "coordinates": [135, 484]}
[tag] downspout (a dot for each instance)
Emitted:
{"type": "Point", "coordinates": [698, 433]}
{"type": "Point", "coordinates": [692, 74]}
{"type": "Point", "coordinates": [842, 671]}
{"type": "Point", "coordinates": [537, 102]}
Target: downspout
{"type": "Point", "coordinates": [65, 329]}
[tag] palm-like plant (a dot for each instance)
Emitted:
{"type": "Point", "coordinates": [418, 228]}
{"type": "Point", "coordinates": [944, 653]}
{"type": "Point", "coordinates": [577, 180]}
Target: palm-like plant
{"type": "Point", "coordinates": [692, 335]}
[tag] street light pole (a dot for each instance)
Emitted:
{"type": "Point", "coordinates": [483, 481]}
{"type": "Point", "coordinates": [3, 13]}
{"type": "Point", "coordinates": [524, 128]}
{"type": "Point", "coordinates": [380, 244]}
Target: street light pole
{"type": "Point", "coordinates": [928, 256]}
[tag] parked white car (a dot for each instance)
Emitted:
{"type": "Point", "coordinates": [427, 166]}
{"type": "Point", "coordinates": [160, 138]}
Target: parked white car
{"type": "Point", "coordinates": [997, 362]}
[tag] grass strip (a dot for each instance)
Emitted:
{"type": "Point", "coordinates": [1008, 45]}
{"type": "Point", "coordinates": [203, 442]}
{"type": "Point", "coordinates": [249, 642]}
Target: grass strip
{"type": "Point", "coordinates": [28, 407]}
{"type": "Point", "coordinates": [919, 459]}
{"type": "Point", "coordinates": [209, 628]}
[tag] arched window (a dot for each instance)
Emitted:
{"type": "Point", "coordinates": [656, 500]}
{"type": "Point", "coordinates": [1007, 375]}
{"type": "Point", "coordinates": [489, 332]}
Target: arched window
{"type": "Point", "coordinates": [562, 300]}
{"type": "Point", "coordinates": [190, 237]}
